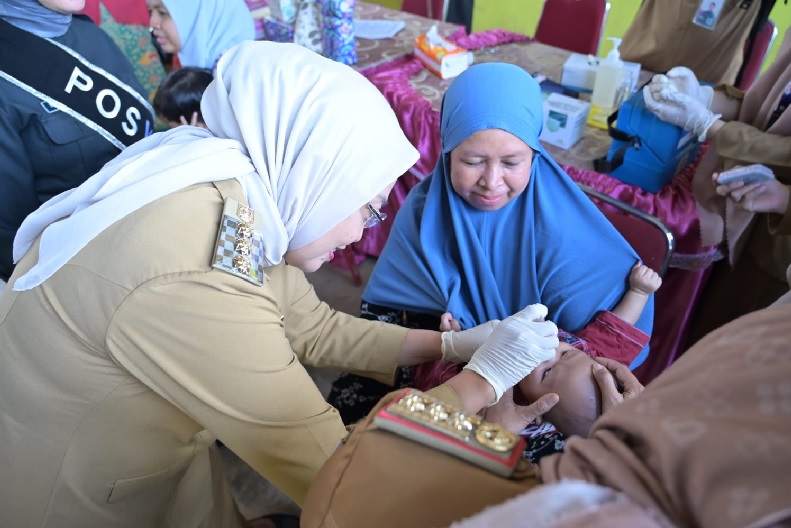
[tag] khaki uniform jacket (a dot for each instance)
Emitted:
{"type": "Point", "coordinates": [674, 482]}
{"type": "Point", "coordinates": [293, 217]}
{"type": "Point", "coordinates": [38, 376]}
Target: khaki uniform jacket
{"type": "Point", "coordinates": [662, 36]}
{"type": "Point", "coordinates": [118, 372]}
{"type": "Point", "coordinates": [742, 141]}
{"type": "Point", "coordinates": [770, 240]}
{"type": "Point", "coordinates": [758, 245]}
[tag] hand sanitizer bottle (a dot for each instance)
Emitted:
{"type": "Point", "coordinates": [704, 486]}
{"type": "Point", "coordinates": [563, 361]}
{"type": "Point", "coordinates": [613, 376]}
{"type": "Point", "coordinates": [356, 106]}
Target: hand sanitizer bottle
{"type": "Point", "coordinates": [609, 77]}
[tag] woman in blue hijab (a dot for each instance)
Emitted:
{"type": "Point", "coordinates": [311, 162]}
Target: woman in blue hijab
{"type": "Point", "coordinates": [499, 225]}
{"type": "Point", "coordinates": [199, 31]}
{"type": "Point", "coordinates": [482, 261]}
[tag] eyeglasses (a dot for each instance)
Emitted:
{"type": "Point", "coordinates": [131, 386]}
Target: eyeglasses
{"type": "Point", "coordinates": [375, 219]}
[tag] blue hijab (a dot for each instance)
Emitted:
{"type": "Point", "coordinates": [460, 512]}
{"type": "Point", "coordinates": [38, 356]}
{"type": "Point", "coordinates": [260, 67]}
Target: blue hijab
{"type": "Point", "coordinates": [208, 28]}
{"type": "Point", "coordinates": [549, 245]}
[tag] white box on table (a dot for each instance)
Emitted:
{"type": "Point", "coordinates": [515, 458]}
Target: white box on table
{"type": "Point", "coordinates": [564, 120]}
{"type": "Point", "coordinates": [579, 72]}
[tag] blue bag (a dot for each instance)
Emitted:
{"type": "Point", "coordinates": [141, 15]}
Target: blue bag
{"type": "Point", "coordinates": [645, 150]}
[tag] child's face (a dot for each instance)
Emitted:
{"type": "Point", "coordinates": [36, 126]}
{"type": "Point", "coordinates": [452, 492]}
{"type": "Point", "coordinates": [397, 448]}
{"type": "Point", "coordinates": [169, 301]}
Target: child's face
{"type": "Point", "coordinates": [569, 375]}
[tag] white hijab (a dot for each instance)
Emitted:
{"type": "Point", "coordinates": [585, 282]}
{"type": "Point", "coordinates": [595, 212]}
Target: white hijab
{"type": "Point", "coordinates": [310, 140]}
{"type": "Point", "coordinates": [208, 28]}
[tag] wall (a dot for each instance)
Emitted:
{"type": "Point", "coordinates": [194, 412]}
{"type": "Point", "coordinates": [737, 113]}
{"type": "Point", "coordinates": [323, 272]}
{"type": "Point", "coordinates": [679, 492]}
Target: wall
{"type": "Point", "coordinates": [392, 4]}
{"type": "Point", "coordinates": [522, 16]}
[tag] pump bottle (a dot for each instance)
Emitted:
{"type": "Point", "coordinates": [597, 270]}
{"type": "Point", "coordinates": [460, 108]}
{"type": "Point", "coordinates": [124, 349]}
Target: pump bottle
{"type": "Point", "coordinates": [609, 77]}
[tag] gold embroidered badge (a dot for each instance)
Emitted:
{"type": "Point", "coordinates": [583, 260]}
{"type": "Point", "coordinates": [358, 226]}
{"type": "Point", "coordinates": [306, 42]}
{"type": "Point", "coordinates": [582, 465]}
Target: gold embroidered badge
{"type": "Point", "coordinates": [240, 249]}
{"type": "Point", "coordinates": [432, 422]}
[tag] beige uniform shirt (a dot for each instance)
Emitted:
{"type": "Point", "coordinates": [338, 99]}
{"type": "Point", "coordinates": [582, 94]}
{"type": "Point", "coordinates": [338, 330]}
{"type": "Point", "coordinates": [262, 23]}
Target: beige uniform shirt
{"type": "Point", "coordinates": [741, 144]}
{"type": "Point", "coordinates": [118, 372]}
{"type": "Point", "coordinates": [662, 36]}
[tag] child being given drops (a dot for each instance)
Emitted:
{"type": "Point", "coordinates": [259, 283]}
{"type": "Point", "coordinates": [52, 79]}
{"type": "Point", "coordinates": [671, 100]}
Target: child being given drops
{"type": "Point", "coordinates": [570, 374]}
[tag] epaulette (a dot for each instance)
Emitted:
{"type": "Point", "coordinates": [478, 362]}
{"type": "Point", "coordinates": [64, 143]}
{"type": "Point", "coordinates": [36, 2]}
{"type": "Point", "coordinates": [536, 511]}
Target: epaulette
{"type": "Point", "coordinates": [434, 423]}
{"type": "Point", "coordinates": [240, 248]}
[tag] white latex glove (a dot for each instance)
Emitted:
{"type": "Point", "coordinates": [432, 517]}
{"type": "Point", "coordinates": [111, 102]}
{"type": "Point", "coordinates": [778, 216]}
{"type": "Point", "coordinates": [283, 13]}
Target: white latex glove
{"type": "Point", "coordinates": [460, 346]}
{"type": "Point", "coordinates": [679, 109]}
{"type": "Point", "coordinates": [517, 345]}
{"type": "Point", "coordinates": [660, 87]}
{"type": "Point", "coordinates": [685, 82]}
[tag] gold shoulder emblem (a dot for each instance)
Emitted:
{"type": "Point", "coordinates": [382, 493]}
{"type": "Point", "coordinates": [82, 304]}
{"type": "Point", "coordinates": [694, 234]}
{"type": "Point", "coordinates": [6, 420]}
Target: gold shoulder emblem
{"type": "Point", "coordinates": [429, 421]}
{"type": "Point", "coordinates": [239, 248]}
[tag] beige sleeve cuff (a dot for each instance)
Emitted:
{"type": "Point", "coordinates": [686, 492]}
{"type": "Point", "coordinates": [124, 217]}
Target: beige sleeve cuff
{"type": "Point", "coordinates": [446, 394]}
{"type": "Point", "coordinates": [780, 224]}
{"type": "Point", "coordinates": [742, 144]}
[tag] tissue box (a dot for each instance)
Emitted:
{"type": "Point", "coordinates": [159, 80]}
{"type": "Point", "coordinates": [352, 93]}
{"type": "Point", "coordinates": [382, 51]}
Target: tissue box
{"type": "Point", "coordinates": [564, 120]}
{"type": "Point", "coordinates": [579, 72]}
{"type": "Point", "coordinates": [441, 56]}
{"type": "Point", "coordinates": [278, 31]}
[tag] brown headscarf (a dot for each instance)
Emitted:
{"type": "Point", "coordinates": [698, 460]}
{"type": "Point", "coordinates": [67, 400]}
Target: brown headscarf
{"type": "Point", "coordinates": [708, 442]}
{"type": "Point", "coordinates": [719, 219]}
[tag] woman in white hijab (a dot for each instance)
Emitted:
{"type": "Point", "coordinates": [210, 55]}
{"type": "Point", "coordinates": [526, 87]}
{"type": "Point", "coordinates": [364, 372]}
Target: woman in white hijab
{"type": "Point", "coordinates": [151, 311]}
{"type": "Point", "coordinates": [200, 31]}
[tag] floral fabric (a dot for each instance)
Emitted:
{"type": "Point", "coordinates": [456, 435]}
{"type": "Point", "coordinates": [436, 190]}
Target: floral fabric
{"type": "Point", "coordinates": [135, 42]}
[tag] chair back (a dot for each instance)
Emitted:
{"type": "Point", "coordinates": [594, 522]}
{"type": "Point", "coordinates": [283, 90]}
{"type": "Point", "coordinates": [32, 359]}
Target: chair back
{"type": "Point", "coordinates": [436, 9]}
{"type": "Point", "coordinates": [752, 65]}
{"type": "Point", "coordinates": [574, 25]}
{"type": "Point", "coordinates": [647, 234]}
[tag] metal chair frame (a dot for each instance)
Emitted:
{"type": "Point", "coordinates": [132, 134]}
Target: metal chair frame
{"type": "Point", "coordinates": [642, 215]}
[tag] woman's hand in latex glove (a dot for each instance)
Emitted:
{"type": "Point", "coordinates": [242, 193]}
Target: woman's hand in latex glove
{"type": "Point", "coordinates": [679, 109]}
{"type": "Point", "coordinates": [516, 346]}
{"type": "Point", "coordinates": [616, 383]}
{"type": "Point", "coordinates": [680, 80]}
{"type": "Point", "coordinates": [685, 82]}
{"type": "Point", "coordinates": [459, 345]}
{"type": "Point", "coordinates": [515, 417]}
{"type": "Point", "coordinates": [761, 197]}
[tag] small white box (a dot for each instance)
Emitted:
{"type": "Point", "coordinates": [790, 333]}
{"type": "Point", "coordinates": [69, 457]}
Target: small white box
{"type": "Point", "coordinates": [564, 120]}
{"type": "Point", "coordinates": [579, 72]}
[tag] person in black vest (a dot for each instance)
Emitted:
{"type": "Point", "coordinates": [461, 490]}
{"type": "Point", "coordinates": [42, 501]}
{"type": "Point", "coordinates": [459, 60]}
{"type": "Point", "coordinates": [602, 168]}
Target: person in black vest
{"type": "Point", "coordinates": [69, 102]}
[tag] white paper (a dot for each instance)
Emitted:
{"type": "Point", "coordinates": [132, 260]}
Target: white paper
{"type": "Point", "coordinates": [377, 29]}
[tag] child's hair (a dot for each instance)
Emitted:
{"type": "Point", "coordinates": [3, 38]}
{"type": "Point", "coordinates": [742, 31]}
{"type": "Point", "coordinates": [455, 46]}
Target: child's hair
{"type": "Point", "coordinates": [180, 93]}
{"type": "Point", "coordinates": [575, 419]}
